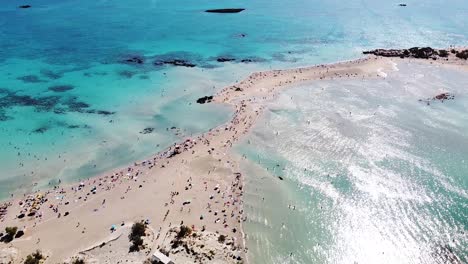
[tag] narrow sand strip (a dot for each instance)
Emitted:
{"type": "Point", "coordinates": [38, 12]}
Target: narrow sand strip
{"type": "Point", "coordinates": [195, 182]}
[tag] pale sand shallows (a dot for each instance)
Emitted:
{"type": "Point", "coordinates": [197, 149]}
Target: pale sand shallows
{"type": "Point", "coordinates": [200, 170]}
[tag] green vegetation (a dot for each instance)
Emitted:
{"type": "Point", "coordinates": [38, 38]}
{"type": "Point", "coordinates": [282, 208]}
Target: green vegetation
{"type": "Point", "coordinates": [138, 230]}
{"type": "Point", "coordinates": [34, 258]}
{"type": "Point", "coordinates": [10, 233]}
{"type": "Point", "coordinates": [222, 239]}
{"type": "Point", "coordinates": [78, 261]}
{"type": "Point", "coordinates": [183, 232]}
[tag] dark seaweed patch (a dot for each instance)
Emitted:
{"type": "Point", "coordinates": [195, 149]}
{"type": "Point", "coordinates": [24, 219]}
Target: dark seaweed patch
{"type": "Point", "coordinates": [3, 115]}
{"type": "Point", "coordinates": [74, 105]}
{"type": "Point", "coordinates": [50, 74]}
{"type": "Point", "coordinates": [40, 130]}
{"type": "Point", "coordinates": [30, 79]}
{"type": "Point", "coordinates": [133, 60]}
{"type": "Point", "coordinates": [126, 74]}
{"type": "Point", "coordinates": [61, 88]}
{"type": "Point", "coordinates": [55, 104]}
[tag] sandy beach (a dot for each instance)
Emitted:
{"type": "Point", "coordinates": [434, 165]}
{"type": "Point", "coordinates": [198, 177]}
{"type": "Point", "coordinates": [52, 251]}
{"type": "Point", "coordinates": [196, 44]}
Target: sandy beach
{"type": "Point", "coordinates": [196, 182]}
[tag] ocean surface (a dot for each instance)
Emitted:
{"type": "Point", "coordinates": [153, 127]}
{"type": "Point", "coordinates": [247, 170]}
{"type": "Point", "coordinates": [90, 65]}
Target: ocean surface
{"type": "Point", "coordinates": [73, 106]}
{"type": "Point", "coordinates": [370, 174]}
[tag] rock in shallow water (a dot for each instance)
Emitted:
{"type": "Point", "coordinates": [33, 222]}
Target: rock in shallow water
{"type": "Point", "coordinates": [204, 99]}
{"type": "Point", "coordinates": [225, 10]}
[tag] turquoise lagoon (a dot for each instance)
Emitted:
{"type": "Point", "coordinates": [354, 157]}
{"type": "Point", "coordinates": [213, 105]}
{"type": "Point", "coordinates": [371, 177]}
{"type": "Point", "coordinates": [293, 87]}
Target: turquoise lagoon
{"type": "Point", "coordinates": [370, 173]}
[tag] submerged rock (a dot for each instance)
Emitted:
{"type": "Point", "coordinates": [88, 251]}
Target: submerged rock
{"type": "Point", "coordinates": [134, 60]}
{"type": "Point", "coordinates": [40, 130]}
{"type": "Point", "coordinates": [225, 59]}
{"type": "Point", "coordinates": [30, 79]}
{"type": "Point", "coordinates": [225, 10]}
{"type": "Point", "coordinates": [205, 99]}
{"type": "Point", "coordinates": [61, 88]}
{"type": "Point", "coordinates": [440, 97]}
{"type": "Point", "coordinates": [147, 130]}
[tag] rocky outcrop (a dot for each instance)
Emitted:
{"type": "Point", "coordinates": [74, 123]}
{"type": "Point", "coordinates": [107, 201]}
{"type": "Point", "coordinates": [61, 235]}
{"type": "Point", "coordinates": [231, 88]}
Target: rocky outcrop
{"type": "Point", "coordinates": [175, 62]}
{"type": "Point", "coordinates": [418, 53]}
{"type": "Point", "coordinates": [205, 99]}
{"type": "Point", "coordinates": [61, 88]}
{"type": "Point", "coordinates": [225, 10]}
{"type": "Point", "coordinates": [463, 54]}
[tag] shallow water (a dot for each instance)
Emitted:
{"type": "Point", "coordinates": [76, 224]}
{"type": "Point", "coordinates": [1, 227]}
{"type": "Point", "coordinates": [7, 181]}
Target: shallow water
{"type": "Point", "coordinates": [371, 174]}
{"type": "Point", "coordinates": [92, 121]}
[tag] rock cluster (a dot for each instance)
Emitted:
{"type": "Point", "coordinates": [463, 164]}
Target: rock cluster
{"type": "Point", "coordinates": [205, 99]}
{"type": "Point", "coordinates": [440, 97]}
{"type": "Point", "coordinates": [418, 53]}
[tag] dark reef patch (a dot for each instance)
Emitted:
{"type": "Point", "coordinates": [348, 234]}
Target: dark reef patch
{"type": "Point", "coordinates": [61, 88]}
{"type": "Point", "coordinates": [225, 10]}
{"type": "Point", "coordinates": [55, 104]}
{"type": "Point", "coordinates": [30, 79]}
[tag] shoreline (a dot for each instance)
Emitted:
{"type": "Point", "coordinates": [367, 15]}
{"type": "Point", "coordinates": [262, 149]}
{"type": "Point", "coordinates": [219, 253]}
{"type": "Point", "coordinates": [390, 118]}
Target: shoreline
{"type": "Point", "coordinates": [207, 154]}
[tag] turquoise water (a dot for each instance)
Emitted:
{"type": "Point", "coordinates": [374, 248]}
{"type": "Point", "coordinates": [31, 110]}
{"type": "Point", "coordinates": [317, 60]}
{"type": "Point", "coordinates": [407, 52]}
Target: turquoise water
{"type": "Point", "coordinates": [69, 107]}
{"type": "Point", "coordinates": [371, 174]}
